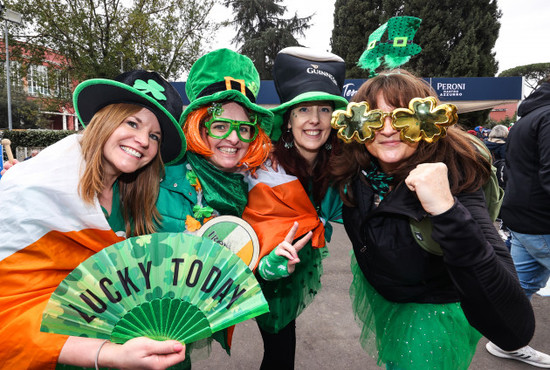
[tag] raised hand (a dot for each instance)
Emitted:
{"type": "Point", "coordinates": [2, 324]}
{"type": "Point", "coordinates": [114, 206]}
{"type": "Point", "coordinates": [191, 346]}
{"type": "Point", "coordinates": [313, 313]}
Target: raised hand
{"type": "Point", "coordinates": [431, 184]}
{"type": "Point", "coordinates": [290, 251]}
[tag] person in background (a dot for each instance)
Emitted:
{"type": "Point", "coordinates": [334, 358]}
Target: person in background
{"type": "Point", "coordinates": [526, 207]}
{"type": "Point", "coordinates": [422, 306]}
{"type": "Point", "coordinates": [80, 195]}
{"type": "Point", "coordinates": [34, 152]}
{"type": "Point", "coordinates": [227, 134]}
{"type": "Point", "coordinates": [496, 142]}
{"type": "Point", "coordinates": [289, 208]}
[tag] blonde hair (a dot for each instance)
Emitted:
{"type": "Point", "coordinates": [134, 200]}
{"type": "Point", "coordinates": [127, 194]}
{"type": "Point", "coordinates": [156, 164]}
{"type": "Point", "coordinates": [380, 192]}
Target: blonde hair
{"type": "Point", "coordinates": [138, 190]}
{"type": "Point", "coordinates": [257, 153]}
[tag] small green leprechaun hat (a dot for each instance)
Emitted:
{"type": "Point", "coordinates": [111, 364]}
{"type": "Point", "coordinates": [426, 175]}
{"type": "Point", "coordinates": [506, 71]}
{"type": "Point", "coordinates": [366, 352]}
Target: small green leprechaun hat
{"type": "Point", "coordinates": [396, 50]}
{"type": "Point", "coordinates": [224, 75]}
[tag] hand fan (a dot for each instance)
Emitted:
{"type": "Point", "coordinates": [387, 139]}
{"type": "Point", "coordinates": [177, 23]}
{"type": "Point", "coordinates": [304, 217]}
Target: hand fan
{"type": "Point", "coordinates": [161, 286]}
{"type": "Point", "coordinates": [234, 233]}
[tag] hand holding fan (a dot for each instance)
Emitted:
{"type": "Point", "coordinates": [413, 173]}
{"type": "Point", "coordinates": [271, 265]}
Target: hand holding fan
{"type": "Point", "coordinates": [161, 286]}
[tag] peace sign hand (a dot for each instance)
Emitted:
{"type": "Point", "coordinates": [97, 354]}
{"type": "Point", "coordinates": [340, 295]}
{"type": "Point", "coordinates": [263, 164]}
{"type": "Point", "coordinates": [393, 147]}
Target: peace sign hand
{"type": "Point", "coordinates": [290, 251]}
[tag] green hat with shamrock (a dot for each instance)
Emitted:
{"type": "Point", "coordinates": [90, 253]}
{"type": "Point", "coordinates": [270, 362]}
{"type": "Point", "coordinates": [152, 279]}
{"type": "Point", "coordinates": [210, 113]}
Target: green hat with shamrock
{"type": "Point", "coordinates": [224, 75]}
{"type": "Point", "coordinates": [143, 88]}
{"type": "Point", "coordinates": [396, 48]}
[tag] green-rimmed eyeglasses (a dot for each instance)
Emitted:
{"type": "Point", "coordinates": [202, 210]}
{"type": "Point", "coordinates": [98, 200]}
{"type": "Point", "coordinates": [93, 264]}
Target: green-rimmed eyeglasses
{"type": "Point", "coordinates": [220, 128]}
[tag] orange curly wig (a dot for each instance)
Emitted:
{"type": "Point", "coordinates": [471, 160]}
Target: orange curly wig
{"type": "Point", "coordinates": [257, 153]}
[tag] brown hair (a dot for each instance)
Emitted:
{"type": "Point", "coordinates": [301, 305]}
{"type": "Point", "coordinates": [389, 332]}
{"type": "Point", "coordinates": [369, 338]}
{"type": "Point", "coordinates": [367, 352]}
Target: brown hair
{"type": "Point", "coordinates": [319, 177]}
{"type": "Point", "coordinates": [138, 190]}
{"type": "Point", "coordinates": [468, 168]}
{"type": "Point", "coordinates": [256, 155]}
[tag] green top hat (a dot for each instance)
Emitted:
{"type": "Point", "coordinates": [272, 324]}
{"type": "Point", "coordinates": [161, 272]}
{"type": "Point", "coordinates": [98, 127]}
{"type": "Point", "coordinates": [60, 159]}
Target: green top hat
{"type": "Point", "coordinates": [144, 88]}
{"type": "Point", "coordinates": [224, 75]}
{"type": "Point", "coordinates": [302, 75]}
{"type": "Point", "coordinates": [397, 49]}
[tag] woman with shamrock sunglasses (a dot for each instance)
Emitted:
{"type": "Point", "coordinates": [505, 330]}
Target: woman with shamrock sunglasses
{"type": "Point", "coordinates": [404, 162]}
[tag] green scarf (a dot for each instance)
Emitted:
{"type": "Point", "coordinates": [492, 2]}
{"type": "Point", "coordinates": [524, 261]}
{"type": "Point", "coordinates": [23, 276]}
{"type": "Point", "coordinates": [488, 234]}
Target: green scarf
{"type": "Point", "coordinates": [379, 181]}
{"type": "Point", "coordinates": [226, 192]}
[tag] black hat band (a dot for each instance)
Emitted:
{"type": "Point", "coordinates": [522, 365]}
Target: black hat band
{"type": "Point", "coordinates": [228, 84]}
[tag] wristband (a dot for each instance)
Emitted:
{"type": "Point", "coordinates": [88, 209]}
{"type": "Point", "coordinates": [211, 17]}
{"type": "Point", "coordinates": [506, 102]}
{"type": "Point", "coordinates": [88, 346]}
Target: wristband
{"type": "Point", "coordinates": [97, 353]}
{"type": "Point", "coordinates": [273, 267]}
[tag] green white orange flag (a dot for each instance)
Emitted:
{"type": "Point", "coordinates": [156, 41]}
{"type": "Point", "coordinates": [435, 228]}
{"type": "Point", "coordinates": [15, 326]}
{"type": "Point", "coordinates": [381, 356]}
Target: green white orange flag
{"type": "Point", "coordinates": [275, 201]}
{"type": "Point", "coordinates": [46, 231]}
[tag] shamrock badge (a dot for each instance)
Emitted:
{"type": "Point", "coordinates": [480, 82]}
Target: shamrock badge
{"type": "Point", "coordinates": [150, 87]}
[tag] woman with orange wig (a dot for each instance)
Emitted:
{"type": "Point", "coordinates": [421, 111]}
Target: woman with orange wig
{"type": "Point", "coordinates": [227, 135]}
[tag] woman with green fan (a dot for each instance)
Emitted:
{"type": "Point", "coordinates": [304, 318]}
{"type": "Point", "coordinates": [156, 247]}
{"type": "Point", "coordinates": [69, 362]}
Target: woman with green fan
{"type": "Point", "coordinates": [290, 208]}
{"type": "Point", "coordinates": [75, 198]}
{"type": "Point", "coordinates": [227, 134]}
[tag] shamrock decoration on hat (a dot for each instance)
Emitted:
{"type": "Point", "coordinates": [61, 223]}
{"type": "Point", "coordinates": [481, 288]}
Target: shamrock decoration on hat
{"type": "Point", "coordinates": [396, 50]}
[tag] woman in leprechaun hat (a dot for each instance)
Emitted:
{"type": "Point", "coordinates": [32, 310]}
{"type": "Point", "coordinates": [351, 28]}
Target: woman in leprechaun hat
{"type": "Point", "coordinates": [431, 275]}
{"type": "Point", "coordinates": [227, 134]}
{"type": "Point", "coordinates": [289, 208]}
{"type": "Point", "coordinates": [75, 198]}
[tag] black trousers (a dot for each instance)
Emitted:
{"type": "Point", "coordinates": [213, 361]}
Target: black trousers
{"type": "Point", "coordinates": [280, 348]}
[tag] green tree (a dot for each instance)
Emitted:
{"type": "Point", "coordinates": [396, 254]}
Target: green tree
{"type": "Point", "coordinates": [457, 37]}
{"type": "Point", "coordinates": [262, 32]}
{"type": "Point", "coordinates": [24, 112]}
{"type": "Point", "coordinates": [354, 21]}
{"type": "Point", "coordinates": [98, 37]}
{"type": "Point", "coordinates": [532, 73]}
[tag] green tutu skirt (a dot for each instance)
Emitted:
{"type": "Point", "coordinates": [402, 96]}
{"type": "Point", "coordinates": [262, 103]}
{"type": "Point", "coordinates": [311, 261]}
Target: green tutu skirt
{"type": "Point", "coordinates": [288, 297]}
{"type": "Point", "coordinates": [410, 336]}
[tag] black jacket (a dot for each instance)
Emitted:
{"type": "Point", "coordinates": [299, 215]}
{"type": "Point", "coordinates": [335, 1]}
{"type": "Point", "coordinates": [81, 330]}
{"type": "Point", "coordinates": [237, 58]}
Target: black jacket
{"type": "Point", "coordinates": [475, 269]}
{"type": "Point", "coordinates": [498, 150]}
{"type": "Point", "coordinates": [526, 206]}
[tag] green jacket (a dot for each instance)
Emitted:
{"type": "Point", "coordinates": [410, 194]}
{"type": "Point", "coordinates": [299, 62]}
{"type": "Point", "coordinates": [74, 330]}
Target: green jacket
{"type": "Point", "coordinates": [175, 201]}
{"type": "Point", "coordinates": [176, 198]}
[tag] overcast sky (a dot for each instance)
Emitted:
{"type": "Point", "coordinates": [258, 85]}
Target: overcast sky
{"type": "Point", "coordinates": [523, 39]}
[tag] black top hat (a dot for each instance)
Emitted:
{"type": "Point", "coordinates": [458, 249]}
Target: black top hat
{"type": "Point", "coordinates": [144, 88]}
{"type": "Point", "coordinates": [302, 74]}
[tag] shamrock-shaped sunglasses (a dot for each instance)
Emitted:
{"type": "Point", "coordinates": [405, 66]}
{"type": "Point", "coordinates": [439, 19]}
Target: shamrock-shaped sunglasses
{"type": "Point", "coordinates": [220, 128]}
{"type": "Point", "coordinates": [423, 120]}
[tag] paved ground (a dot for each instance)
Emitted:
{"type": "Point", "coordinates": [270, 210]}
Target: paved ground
{"type": "Point", "coordinates": [327, 336]}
